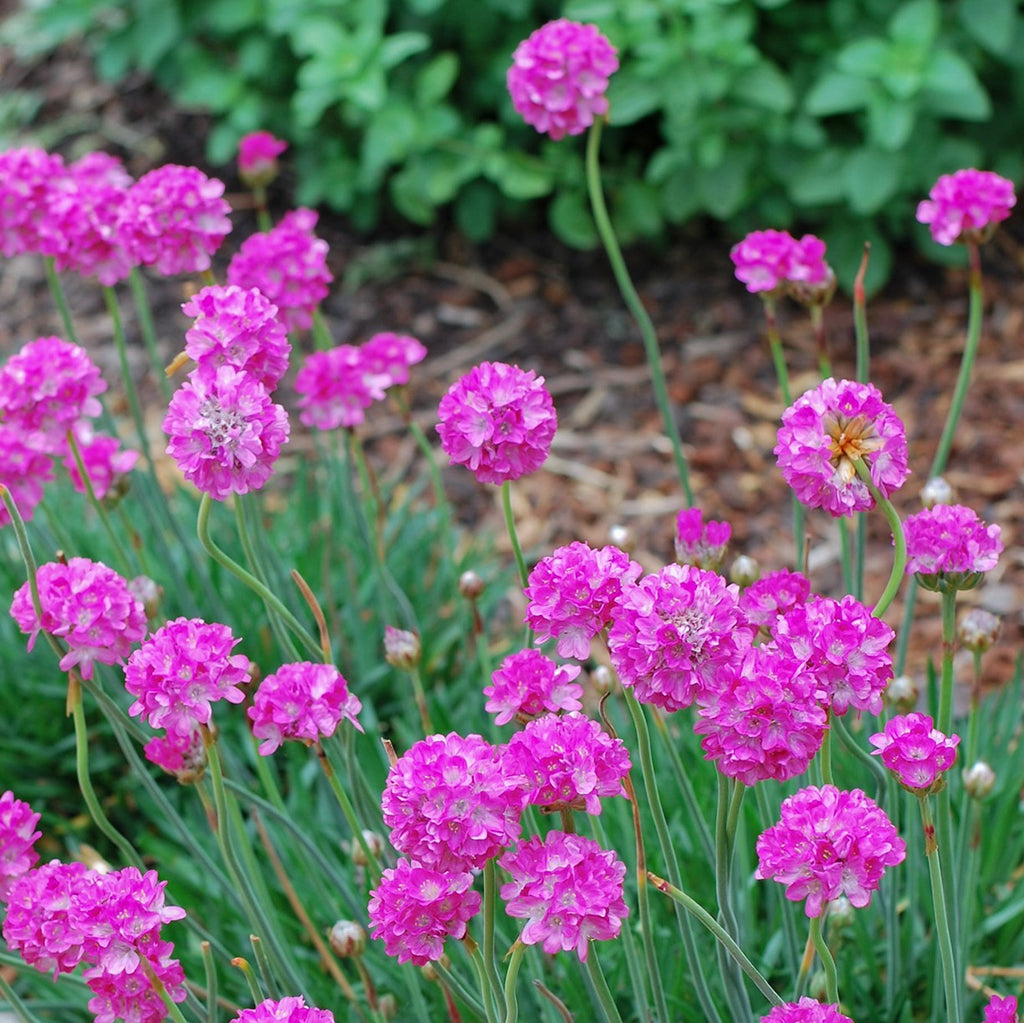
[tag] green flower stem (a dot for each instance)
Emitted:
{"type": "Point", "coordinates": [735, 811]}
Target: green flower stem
{"type": "Point", "coordinates": [250, 978]}
{"type": "Point", "coordinates": [146, 325]}
{"type": "Point", "coordinates": [59, 298]}
{"type": "Point", "coordinates": [899, 561]}
{"type": "Point", "coordinates": [860, 317]}
{"type": "Point", "coordinates": [827, 962]}
{"type": "Point", "coordinates": [846, 552]}
{"type": "Point", "coordinates": [725, 833]}
{"type": "Point", "coordinates": [321, 332]}
{"type": "Point", "coordinates": [767, 815]}
{"type": "Point", "coordinates": [12, 1001]}
{"type": "Point", "coordinates": [458, 987]}
{"type": "Point", "coordinates": [483, 976]}
{"type": "Point", "coordinates": [25, 549]}
{"type": "Point", "coordinates": [609, 1009]}
{"type": "Point", "coordinates": [629, 293]}
{"type": "Point", "coordinates": [113, 310]}
{"type": "Point", "coordinates": [944, 718]}
{"type": "Point", "coordinates": [210, 969]}
{"type": "Point", "coordinates": [510, 523]}
{"type": "Point", "coordinates": [511, 975]}
{"type": "Point", "coordinates": [158, 986]}
{"type": "Point", "coordinates": [490, 906]}
{"type": "Point", "coordinates": [825, 753]}
{"type": "Point", "coordinates": [259, 200]}
{"type": "Point", "coordinates": [838, 724]}
{"type": "Point", "coordinates": [817, 311]}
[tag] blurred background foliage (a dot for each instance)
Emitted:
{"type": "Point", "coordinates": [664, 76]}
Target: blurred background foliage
{"type": "Point", "coordinates": [832, 116]}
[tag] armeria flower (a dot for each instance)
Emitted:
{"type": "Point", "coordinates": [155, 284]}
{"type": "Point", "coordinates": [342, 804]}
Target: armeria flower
{"type": "Point", "coordinates": [825, 431]}
{"type": "Point", "coordinates": [335, 387]}
{"type": "Point", "coordinates": [389, 357]}
{"type": "Point", "coordinates": [106, 462]}
{"type": "Point", "coordinates": [414, 908]}
{"type": "Point", "coordinates": [806, 1010]}
{"type": "Point", "coordinates": [289, 265]}
{"type": "Point", "coordinates": [764, 600]}
{"type": "Point", "coordinates": [224, 432]}
{"type": "Point", "coordinates": [130, 996]}
{"type": "Point", "coordinates": [239, 328]}
{"type": "Point", "coordinates": [559, 76]}
{"type": "Point", "coordinates": [701, 543]}
{"type": "Point", "coordinates": [302, 701]}
{"type": "Point", "coordinates": [762, 717]}
{"type": "Point", "coordinates": [1001, 1010]}
{"type": "Point", "coordinates": [844, 646]}
{"type": "Point", "coordinates": [183, 668]}
{"type": "Point", "coordinates": [183, 755]}
{"type": "Point", "coordinates": [86, 604]}
{"type": "Point", "coordinates": [24, 471]}
{"type": "Point", "coordinates": [17, 840]}
{"type": "Point", "coordinates": [966, 205]}
{"type": "Point", "coordinates": [915, 750]}
{"type": "Point", "coordinates": [763, 260]}
{"type": "Point", "coordinates": [568, 889]}
{"type": "Point", "coordinates": [572, 593]}
{"type": "Point", "coordinates": [672, 632]}
{"type": "Point", "coordinates": [949, 545]}
{"type": "Point", "coordinates": [829, 843]}
{"type": "Point", "coordinates": [566, 762]}
{"type": "Point", "coordinates": [448, 803]}
{"type": "Point", "coordinates": [498, 421]}
{"type": "Point", "coordinates": [257, 158]}
{"type": "Point", "coordinates": [27, 175]}
{"type": "Point", "coordinates": [529, 684]}
{"type": "Point", "coordinates": [285, 1010]}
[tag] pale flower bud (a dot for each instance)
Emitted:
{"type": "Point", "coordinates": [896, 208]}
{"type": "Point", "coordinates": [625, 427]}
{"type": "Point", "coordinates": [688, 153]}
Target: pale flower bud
{"type": "Point", "coordinates": [387, 1006]}
{"type": "Point", "coordinates": [978, 630]}
{"type": "Point", "coordinates": [401, 648]}
{"type": "Point", "coordinates": [470, 585]}
{"type": "Point", "coordinates": [147, 593]}
{"type": "Point", "coordinates": [623, 537]}
{"type": "Point", "coordinates": [745, 570]}
{"type": "Point", "coordinates": [841, 912]}
{"type": "Point", "coordinates": [603, 679]}
{"type": "Point", "coordinates": [355, 849]}
{"type": "Point", "coordinates": [347, 939]}
{"type": "Point", "coordinates": [936, 491]}
{"type": "Point", "coordinates": [979, 780]}
{"type": "Point", "coordinates": [901, 694]}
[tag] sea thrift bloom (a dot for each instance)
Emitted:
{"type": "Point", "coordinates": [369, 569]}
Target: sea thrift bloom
{"type": "Point", "coordinates": [1001, 1010]}
{"type": "Point", "coordinates": [414, 908]}
{"type": "Point", "coordinates": [572, 593]}
{"type": "Point", "coordinates": [672, 633]}
{"type": "Point", "coordinates": [183, 755]}
{"type": "Point", "coordinates": [568, 889]}
{"type": "Point", "coordinates": [763, 601]}
{"type": "Point", "coordinates": [529, 684]}
{"type": "Point", "coordinates": [949, 543]}
{"type": "Point", "coordinates": [239, 328]}
{"type": "Point", "coordinates": [303, 701]}
{"type": "Point", "coordinates": [257, 158]}
{"type": "Point", "coordinates": [179, 671]}
{"type": "Point", "coordinates": [174, 218]}
{"type": "Point", "coordinates": [27, 175]}
{"type": "Point", "coordinates": [915, 750]}
{"type": "Point", "coordinates": [763, 260]}
{"type": "Point", "coordinates": [966, 205]}
{"type": "Point", "coordinates": [23, 470]}
{"type": "Point", "coordinates": [822, 434]}
{"type": "Point", "coordinates": [698, 542]}
{"type": "Point", "coordinates": [335, 387]}
{"type": "Point", "coordinates": [806, 1010]}
{"type": "Point", "coordinates": [566, 762]}
{"type": "Point", "coordinates": [17, 840]}
{"type": "Point", "coordinates": [224, 432]}
{"type": "Point", "coordinates": [289, 265]}
{"type": "Point", "coordinates": [559, 76]}
{"type": "Point", "coordinates": [829, 843]}
{"type": "Point", "coordinates": [105, 461]}
{"type": "Point", "coordinates": [498, 421]}
{"type": "Point", "coordinates": [389, 357]}
{"type": "Point", "coordinates": [130, 996]}
{"type": "Point", "coordinates": [448, 803]}
{"type": "Point", "coordinates": [86, 604]}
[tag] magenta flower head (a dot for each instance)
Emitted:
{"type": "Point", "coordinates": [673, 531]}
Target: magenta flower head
{"type": "Point", "coordinates": [764, 600]}
{"type": "Point", "coordinates": [303, 701]}
{"type": "Point", "coordinates": [27, 177]}
{"type": "Point", "coordinates": [568, 889]}
{"type": "Point", "coordinates": [24, 470]}
{"type": "Point", "coordinates": [825, 431]}
{"type": "Point", "coordinates": [949, 547]}
{"type": "Point", "coordinates": [763, 260]}
{"type": "Point", "coordinates": [528, 684]}
{"type": "Point", "coordinates": [559, 76]}
{"type": "Point", "coordinates": [86, 604]}
{"type": "Point", "coordinates": [17, 840]}
{"type": "Point", "coordinates": [183, 755]}
{"type": "Point", "coordinates": [1001, 1010]}
{"type": "Point", "coordinates": [966, 206]}
{"type": "Point", "coordinates": [806, 1010]}
{"type": "Point", "coordinates": [572, 593]}
{"type": "Point", "coordinates": [389, 357]}
{"type": "Point", "coordinates": [915, 751]}
{"type": "Point", "coordinates": [106, 462]}
{"type": "Point", "coordinates": [701, 543]}
{"type": "Point", "coordinates": [289, 265]}
{"type": "Point", "coordinates": [498, 421]}
{"type": "Point", "coordinates": [335, 388]}
{"type": "Point", "coordinates": [828, 843]}
{"type": "Point", "coordinates": [257, 158]}
{"type": "Point", "coordinates": [284, 1010]}
{"type": "Point", "coordinates": [224, 432]}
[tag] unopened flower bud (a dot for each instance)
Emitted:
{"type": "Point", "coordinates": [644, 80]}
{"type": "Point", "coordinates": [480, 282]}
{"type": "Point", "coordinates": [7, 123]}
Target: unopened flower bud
{"type": "Point", "coordinates": [936, 491]}
{"type": "Point", "coordinates": [901, 694]}
{"type": "Point", "coordinates": [623, 537]}
{"type": "Point", "coordinates": [979, 780]}
{"type": "Point", "coordinates": [387, 1006]}
{"type": "Point", "coordinates": [355, 849]}
{"type": "Point", "coordinates": [470, 585]}
{"type": "Point", "coordinates": [347, 939]}
{"type": "Point", "coordinates": [401, 647]}
{"type": "Point", "coordinates": [257, 158]}
{"type": "Point", "coordinates": [978, 630]}
{"type": "Point", "coordinates": [603, 679]}
{"type": "Point", "coordinates": [841, 912]}
{"type": "Point", "coordinates": [745, 570]}
{"type": "Point", "coordinates": [148, 593]}
{"type": "Point", "coordinates": [430, 973]}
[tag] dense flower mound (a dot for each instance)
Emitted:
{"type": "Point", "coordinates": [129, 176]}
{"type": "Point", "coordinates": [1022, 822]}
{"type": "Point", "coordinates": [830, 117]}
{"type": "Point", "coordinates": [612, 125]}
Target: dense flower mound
{"type": "Point", "coordinates": [86, 604]}
{"type": "Point", "coordinates": [529, 684]}
{"type": "Point", "coordinates": [806, 1010]}
{"type": "Point", "coordinates": [763, 601]}
{"type": "Point", "coordinates": [285, 1010]}
{"type": "Point", "coordinates": [672, 632]}
{"type": "Point", "coordinates": [448, 803]}
{"type": "Point", "coordinates": [950, 539]}
{"type": "Point", "coordinates": [568, 889]}
{"type": "Point", "coordinates": [27, 175]}
{"type": "Point", "coordinates": [414, 908]}
{"type": "Point", "coordinates": [966, 205]}
{"type": "Point", "coordinates": [17, 840]}
{"type": "Point", "coordinates": [566, 762]}
{"type": "Point", "coordinates": [762, 717]}
{"type": "Point", "coordinates": [130, 996]}
{"type": "Point", "coordinates": [829, 842]}
{"type": "Point", "coordinates": [179, 671]}
{"type": "Point", "coordinates": [288, 264]}
{"type": "Point", "coordinates": [769, 261]}
{"type": "Point", "coordinates": [822, 434]}
{"type": "Point", "coordinates": [572, 593]}
{"type": "Point", "coordinates": [559, 76]}
{"type": "Point", "coordinates": [224, 432]}
{"type": "Point", "coordinates": [915, 750]}
{"type": "Point", "coordinates": [1001, 1010]}
{"type": "Point", "coordinates": [257, 157]}
{"type": "Point", "coordinates": [701, 543]}
{"type": "Point", "coordinates": [389, 357]}
{"type": "Point", "coordinates": [105, 461]}
{"type": "Point", "coordinates": [498, 421]}
{"type": "Point", "coordinates": [302, 701]}
{"type": "Point", "coordinates": [24, 471]}
{"type": "Point", "coordinates": [239, 328]}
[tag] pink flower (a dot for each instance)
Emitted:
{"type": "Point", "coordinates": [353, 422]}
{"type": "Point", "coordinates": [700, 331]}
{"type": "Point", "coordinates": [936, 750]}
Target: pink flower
{"type": "Point", "coordinates": [23, 470]}
{"type": "Point", "coordinates": [966, 205]}
{"type": "Point", "coordinates": [286, 1010]}
{"type": "Point", "coordinates": [566, 762]}
{"type": "Point", "coordinates": [289, 265]}
{"type": "Point", "coordinates": [179, 671]}
{"type": "Point", "coordinates": [105, 461]}
{"type": "Point", "coordinates": [303, 701]}
{"type": "Point", "coordinates": [528, 684]}
{"type": "Point", "coordinates": [390, 356]}
{"type": "Point", "coordinates": [336, 386]}
{"type": "Point", "coordinates": [238, 328]}
{"type": "Point", "coordinates": [698, 542]}
{"type": "Point", "coordinates": [86, 604]}
{"type": "Point", "coordinates": [806, 1010]}
{"type": "Point", "coordinates": [174, 218]}
{"type": "Point", "coordinates": [915, 750]}
{"type": "Point", "coordinates": [950, 542]}
{"type": "Point", "coordinates": [829, 843]}
{"type": "Point", "coordinates": [224, 432]}
{"type": "Point", "coordinates": [498, 421]}
{"type": "Point", "coordinates": [257, 157]}
{"type": "Point", "coordinates": [559, 76]}
{"type": "Point", "coordinates": [762, 717]}
{"type": "Point", "coordinates": [568, 889]}
{"type": "Point", "coordinates": [17, 840]}
{"type": "Point", "coordinates": [27, 175]}
{"type": "Point", "coordinates": [763, 259]}
{"type": "Point", "coordinates": [130, 995]}
{"type": "Point", "coordinates": [448, 803]}
{"type": "Point", "coordinates": [183, 755]}
{"type": "Point", "coordinates": [673, 632]}
{"type": "Point", "coordinates": [763, 601]}
{"type": "Point", "coordinates": [807, 266]}
{"type": "Point", "coordinates": [825, 431]}
{"type": "Point", "coordinates": [1001, 1010]}
{"type": "Point", "coordinates": [414, 908]}
{"type": "Point", "coordinates": [573, 592]}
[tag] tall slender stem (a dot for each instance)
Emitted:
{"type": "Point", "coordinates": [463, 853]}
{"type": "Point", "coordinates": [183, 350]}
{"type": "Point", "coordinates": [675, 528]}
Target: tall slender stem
{"type": "Point", "coordinates": [510, 524]}
{"type": "Point", "coordinates": [145, 314]}
{"type": "Point", "coordinates": [899, 561]}
{"type": "Point", "coordinates": [600, 982]}
{"type": "Point", "coordinates": [59, 298]}
{"type": "Point", "coordinates": [827, 962]}
{"type": "Point", "coordinates": [860, 317]}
